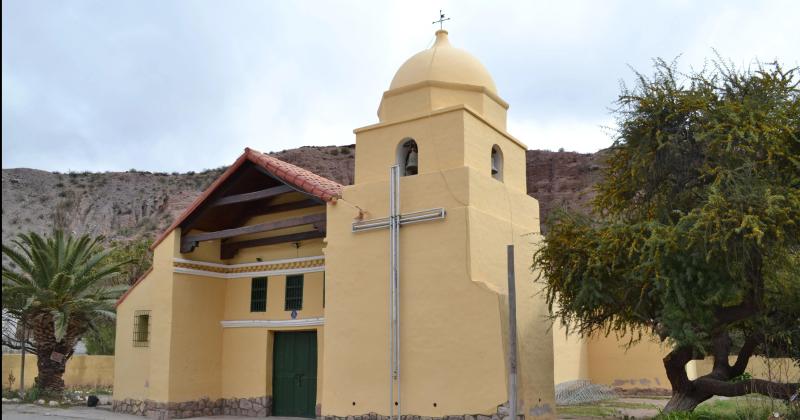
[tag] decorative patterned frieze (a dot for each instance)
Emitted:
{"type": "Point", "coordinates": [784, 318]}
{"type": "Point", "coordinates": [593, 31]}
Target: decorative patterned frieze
{"type": "Point", "coordinates": [264, 268]}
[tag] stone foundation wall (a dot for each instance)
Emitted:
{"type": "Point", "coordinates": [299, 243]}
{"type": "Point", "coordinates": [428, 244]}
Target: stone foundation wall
{"type": "Point", "coordinates": [374, 416]}
{"type": "Point", "coordinates": [502, 414]}
{"type": "Point", "coordinates": [250, 407]}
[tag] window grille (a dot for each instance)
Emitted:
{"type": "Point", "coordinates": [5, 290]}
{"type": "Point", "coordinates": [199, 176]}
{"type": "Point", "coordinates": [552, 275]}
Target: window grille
{"type": "Point", "coordinates": [294, 292]}
{"type": "Point", "coordinates": [258, 295]}
{"type": "Point", "coordinates": [141, 328]}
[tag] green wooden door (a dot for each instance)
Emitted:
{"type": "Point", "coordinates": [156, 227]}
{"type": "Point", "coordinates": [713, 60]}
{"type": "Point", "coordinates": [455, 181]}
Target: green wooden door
{"type": "Point", "coordinates": [294, 379]}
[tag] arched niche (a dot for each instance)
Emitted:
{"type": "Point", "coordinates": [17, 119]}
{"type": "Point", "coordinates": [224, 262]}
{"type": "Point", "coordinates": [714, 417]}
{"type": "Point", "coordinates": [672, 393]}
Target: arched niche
{"type": "Point", "coordinates": [408, 157]}
{"type": "Point", "coordinates": [497, 163]}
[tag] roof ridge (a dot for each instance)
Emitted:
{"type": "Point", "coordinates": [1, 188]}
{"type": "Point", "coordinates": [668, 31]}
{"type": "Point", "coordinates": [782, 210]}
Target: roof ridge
{"type": "Point", "coordinates": [297, 177]}
{"type": "Point", "coordinates": [310, 182]}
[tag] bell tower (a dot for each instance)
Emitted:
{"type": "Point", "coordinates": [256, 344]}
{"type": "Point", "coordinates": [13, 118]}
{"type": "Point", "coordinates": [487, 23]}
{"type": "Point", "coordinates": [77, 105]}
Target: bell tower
{"type": "Point", "coordinates": [444, 124]}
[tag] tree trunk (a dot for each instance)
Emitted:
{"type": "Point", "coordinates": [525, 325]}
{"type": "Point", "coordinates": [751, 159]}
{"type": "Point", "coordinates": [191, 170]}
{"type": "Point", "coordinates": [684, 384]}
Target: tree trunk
{"type": "Point", "coordinates": [684, 401]}
{"type": "Point", "coordinates": [53, 355]}
{"type": "Point", "coordinates": [688, 394]}
{"type": "Point", "coordinates": [685, 397]}
{"type": "Point", "coordinates": [50, 378]}
{"type": "Point", "coordinates": [22, 358]}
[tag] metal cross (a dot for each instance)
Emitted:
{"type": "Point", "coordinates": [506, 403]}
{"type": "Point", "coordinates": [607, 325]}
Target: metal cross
{"type": "Point", "coordinates": [441, 20]}
{"type": "Point", "coordinates": [393, 223]}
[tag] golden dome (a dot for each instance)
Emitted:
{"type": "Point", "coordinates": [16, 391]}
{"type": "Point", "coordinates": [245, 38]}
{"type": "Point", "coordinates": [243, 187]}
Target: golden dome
{"type": "Point", "coordinates": [444, 63]}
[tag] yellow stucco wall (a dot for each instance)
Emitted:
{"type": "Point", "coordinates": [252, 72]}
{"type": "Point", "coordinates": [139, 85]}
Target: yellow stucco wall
{"type": "Point", "coordinates": [607, 360]}
{"type": "Point", "coordinates": [81, 370]}
{"type": "Point", "coordinates": [247, 360]}
{"type": "Point", "coordinates": [237, 298]}
{"type": "Point", "coordinates": [640, 366]}
{"type": "Point", "coordinates": [196, 356]}
{"type": "Point", "coordinates": [571, 356]}
{"type": "Point", "coordinates": [777, 369]}
{"type": "Point", "coordinates": [453, 277]}
{"type": "Point", "coordinates": [196, 342]}
{"type": "Point", "coordinates": [458, 327]}
{"type": "Point", "coordinates": [409, 101]}
{"type": "Point", "coordinates": [144, 372]}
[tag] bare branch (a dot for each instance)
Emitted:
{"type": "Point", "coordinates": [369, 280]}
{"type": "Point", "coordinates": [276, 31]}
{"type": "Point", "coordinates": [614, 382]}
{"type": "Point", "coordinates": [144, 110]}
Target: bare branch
{"type": "Point", "coordinates": [749, 346]}
{"type": "Point", "coordinates": [752, 386]}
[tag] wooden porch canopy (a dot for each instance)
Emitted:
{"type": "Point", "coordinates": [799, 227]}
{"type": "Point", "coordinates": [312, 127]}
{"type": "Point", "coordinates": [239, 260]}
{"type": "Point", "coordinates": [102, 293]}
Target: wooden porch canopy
{"type": "Point", "coordinates": [256, 184]}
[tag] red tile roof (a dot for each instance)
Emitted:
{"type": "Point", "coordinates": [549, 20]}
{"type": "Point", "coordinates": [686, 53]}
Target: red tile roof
{"type": "Point", "coordinates": [322, 188]}
{"type": "Point", "coordinates": [294, 176]}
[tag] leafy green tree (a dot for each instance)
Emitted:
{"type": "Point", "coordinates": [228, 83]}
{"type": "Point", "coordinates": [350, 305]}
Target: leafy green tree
{"type": "Point", "coordinates": [100, 339]}
{"type": "Point", "coordinates": [138, 258]}
{"type": "Point", "coordinates": [61, 285]}
{"type": "Point", "coordinates": [694, 235]}
{"type": "Point", "coordinates": [136, 253]}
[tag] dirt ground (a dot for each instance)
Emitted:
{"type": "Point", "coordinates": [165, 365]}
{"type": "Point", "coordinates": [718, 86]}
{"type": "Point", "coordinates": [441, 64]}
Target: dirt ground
{"type": "Point", "coordinates": [38, 412]}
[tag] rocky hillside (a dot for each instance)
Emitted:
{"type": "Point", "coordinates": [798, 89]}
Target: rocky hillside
{"type": "Point", "coordinates": [133, 204]}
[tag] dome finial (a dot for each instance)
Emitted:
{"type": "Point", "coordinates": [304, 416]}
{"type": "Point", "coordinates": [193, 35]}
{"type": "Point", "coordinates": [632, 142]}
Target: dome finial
{"type": "Point", "coordinates": [441, 38]}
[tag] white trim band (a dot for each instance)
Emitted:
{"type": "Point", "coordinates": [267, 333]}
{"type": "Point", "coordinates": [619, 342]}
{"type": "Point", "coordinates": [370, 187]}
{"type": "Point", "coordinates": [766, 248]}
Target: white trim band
{"type": "Point", "coordinates": [268, 323]}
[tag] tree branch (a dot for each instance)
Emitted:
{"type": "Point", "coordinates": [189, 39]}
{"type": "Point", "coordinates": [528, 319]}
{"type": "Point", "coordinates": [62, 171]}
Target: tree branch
{"type": "Point", "coordinates": [731, 314]}
{"type": "Point", "coordinates": [735, 389]}
{"type": "Point", "coordinates": [747, 350]}
{"type": "Point", "coordinates": [721, 348]}
{"type": "Point", "coordinates": [675, 365]}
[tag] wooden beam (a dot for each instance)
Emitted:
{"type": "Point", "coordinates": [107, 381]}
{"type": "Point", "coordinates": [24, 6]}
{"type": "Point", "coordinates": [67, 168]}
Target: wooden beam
{"type": "Point", "coordinates": [229, 249]}
{"type": "Point", "coordinates": [253, 211]}
{"type": "Point", "coordinates": [188, 242]}
{"type": "Point", "coordinates": [310, 196]}
{"type": "Point", "coordinates": [190, 221]}
{"type": "Point", "coordinates": [252, 196]}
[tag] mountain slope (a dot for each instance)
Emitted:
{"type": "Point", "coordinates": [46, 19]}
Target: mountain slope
{"type": "Point", "coordinates": [133, 204]}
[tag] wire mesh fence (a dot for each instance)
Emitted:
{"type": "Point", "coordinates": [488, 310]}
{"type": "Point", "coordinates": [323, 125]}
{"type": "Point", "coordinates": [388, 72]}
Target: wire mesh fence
{"type": "Point", "coordinates": [582, 391]}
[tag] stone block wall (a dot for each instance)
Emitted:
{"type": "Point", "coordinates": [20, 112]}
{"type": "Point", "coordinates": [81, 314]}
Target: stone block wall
{"type": "Point", "coordinates": [502, 414]}
{"type": "Point", "coordinates": [374, 416]}
{"type": "Point", "coordinates": [250, 407]}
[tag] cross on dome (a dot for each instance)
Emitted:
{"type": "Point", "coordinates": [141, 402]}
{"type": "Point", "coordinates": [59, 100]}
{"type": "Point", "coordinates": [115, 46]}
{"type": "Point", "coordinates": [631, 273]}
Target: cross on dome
{"type": "Point", "coordinates": [441, 20]}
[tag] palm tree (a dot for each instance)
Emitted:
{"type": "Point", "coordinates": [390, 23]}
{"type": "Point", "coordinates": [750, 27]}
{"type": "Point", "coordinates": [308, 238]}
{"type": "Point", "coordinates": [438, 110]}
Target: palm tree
{"type": "Point", "coordinates": [60, 285]}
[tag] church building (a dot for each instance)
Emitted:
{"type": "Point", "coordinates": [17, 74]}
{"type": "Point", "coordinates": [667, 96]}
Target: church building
{"type": "Point", "coordinates": [279, 292]}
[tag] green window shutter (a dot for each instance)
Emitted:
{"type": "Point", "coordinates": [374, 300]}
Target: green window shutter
{"type": "Point", "coordinates": [258, 294]}
{"type": "Point", "coordinates": [294, 292]}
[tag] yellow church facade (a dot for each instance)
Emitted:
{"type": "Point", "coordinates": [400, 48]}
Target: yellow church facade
{"type": "Point", "coordinates": [279, 292]}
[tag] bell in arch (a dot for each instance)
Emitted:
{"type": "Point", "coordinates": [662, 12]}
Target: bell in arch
{"type": "Point", "coordinates": [495, 169]}
{"type": "Point", "coordinates": [412, 162]}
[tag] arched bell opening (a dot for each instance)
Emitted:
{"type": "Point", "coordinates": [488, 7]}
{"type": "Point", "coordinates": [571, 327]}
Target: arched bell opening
{"type": "Point", "coordinates": [497, 163]}
{"type": "Point", "coordinates": [408, 157]}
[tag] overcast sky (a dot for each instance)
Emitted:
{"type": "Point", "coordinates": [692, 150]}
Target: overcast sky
{"type": "Point", "coordinates": [186, 85]}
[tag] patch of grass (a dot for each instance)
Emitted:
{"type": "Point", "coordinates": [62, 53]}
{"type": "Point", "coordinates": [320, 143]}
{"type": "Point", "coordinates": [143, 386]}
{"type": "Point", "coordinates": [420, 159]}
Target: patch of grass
{"type": "Point", "coordinates": [92, 390]}
{"type": "Point", "coordinates": [751, 407]}
{"type": "Point", "coordinates": [10, 393]}
{"type": "Point", "coordinates": [624, 404]}
{"type": "Point", "coordinates": [586, 410]}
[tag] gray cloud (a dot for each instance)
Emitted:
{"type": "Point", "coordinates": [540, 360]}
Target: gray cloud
{"type": "Point", "coordinates": [187, 85]}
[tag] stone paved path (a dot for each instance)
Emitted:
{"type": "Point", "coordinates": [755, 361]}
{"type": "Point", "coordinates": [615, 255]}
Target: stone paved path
{"type": "Point", "coordinates": [37, 412]}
